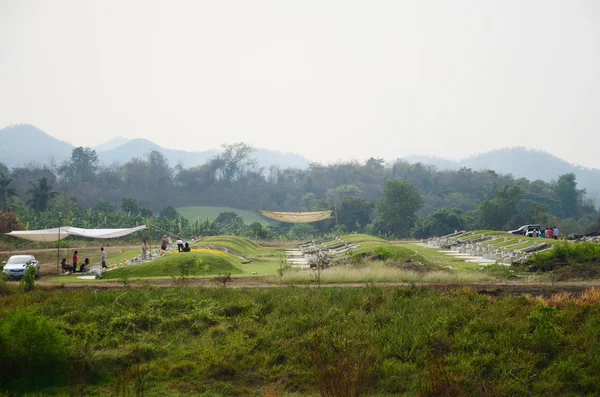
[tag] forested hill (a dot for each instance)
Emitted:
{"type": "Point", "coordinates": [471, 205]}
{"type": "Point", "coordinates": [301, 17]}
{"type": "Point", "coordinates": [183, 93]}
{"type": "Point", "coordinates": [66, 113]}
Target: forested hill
{"type": "Point", "coordinates": [521, 163]}
{"type": "Point", "coordinates": [23, 144]}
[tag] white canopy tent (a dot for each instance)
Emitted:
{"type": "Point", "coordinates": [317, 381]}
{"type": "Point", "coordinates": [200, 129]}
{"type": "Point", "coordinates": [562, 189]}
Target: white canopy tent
{"type": "Point", "coordinates": [59, 233]}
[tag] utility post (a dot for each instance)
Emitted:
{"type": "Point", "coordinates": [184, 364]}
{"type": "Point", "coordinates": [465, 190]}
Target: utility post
{"type": "Point", "coordinates": [149, 230]}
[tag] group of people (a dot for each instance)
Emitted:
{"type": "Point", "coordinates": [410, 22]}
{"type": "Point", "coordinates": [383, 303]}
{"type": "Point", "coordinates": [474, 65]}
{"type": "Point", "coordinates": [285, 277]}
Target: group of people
{"type": "Point", "coordinates": [165, 243]}
{"type": "Point", "coordinates": [85, 266]}
{"type": "Point", "coordinates": [551, 232]}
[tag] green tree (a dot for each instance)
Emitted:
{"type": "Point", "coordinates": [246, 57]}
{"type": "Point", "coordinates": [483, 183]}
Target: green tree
{"type": "Point", "coordinates": [234, 160]}
{"type": "Point", "coordinates": [82, 165]}
{"type": "Point", "coordinates": [130, 206]}
{"type": "Point", "coordinates": [337, 194]}
{"type": "Point", "coordinates": [396, 211]}
{"type": "Point", "coordinates": [440, 222]}
{"type": "Point", "coordinates": [169, 212]}
{"type": "Point", "coordinates": [502, 212]}
{"type": "Point", "coordinates": [41, 194]}
{"type": "Point", "coordinates": [567, 193]}
{"type": "Point", "coordinates": [7, 194]}
{"type": "Point", "coordinates": [354, 213]}
{"type": "Point", "coordinates": [257, 230]}
{"type": "Point", "coordinates": [540, 214]}
{"type": "Point", "coordinates": [229, 222]}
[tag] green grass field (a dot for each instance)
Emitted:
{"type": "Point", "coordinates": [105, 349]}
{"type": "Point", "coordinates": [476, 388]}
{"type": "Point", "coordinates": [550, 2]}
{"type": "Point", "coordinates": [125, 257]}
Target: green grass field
{"type": "Point", "coordinates": [294, 341]}
{"type": "Point", "coordinates": [206, 212]}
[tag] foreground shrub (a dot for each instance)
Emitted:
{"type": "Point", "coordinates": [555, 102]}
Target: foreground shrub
{"type": "Point", "coordinates": [563, 255]}
{"type": "Point", "coordinates": [32, 346]}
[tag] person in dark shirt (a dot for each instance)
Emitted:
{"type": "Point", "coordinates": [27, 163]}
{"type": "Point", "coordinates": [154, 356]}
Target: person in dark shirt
{"type": "Point", "coordinates": [187, 248]}
{"type": "Point", "coordinates": [65, 266]}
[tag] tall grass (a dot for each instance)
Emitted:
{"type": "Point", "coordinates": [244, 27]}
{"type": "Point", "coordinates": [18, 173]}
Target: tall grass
{"type": "Point", "coordinates": [373, 341]}
{"type": "Point", "coordinates": [376, 271]}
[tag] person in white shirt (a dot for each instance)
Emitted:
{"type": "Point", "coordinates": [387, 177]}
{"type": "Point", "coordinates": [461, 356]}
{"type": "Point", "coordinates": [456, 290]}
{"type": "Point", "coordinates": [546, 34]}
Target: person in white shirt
{"type": "Point", "coordinates": [179, 243]}
{"type": "Point", "coordinates": [103, 255]}
{"type": "Point", "coordinates": [556, 231]}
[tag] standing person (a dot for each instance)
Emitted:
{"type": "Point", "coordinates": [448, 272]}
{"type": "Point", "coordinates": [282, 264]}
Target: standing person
{"type": "Point", "coordinates": [144, 250]}
{"type": "Point", "coordinates": [74, 263]}
{"type": "Point", "coordinates": [103, 256]}
{"type": "Point", "coordinates": [163, 243]}
{"type": "Point", "coordinates": [550, 233]}
{"type": "Point", "coordinates": [179, 243]}
{"type": "Point", "coordinates": [555, 232]}
{"type": "Point", "coordinates": [543, 233]}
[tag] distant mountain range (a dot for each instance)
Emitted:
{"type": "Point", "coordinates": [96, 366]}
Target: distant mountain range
{"type": "Point", "coordinates": [23, 144]}
{"type": "Point", "coordinates": [521, 163]}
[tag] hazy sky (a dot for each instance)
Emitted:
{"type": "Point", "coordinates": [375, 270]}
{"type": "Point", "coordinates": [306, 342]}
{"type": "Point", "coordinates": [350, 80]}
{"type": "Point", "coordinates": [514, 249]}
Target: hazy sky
{"type": "Point", "coordinates": [326, 79]}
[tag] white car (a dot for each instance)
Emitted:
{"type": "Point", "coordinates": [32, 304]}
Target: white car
{"type": "Point", "coordinates": [15, 267]}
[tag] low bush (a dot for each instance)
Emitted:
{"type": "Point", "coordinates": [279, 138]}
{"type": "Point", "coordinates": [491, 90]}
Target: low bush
{"type": "Point", "coordinates": [31, 346]}
{"type": "Point", "coordinates": [564, 255]}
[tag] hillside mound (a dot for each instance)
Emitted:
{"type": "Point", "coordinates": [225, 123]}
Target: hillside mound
{"type": "Point", "coordinates": [239, 245]}
{"type": "Point", "coordinates": [170, 265]}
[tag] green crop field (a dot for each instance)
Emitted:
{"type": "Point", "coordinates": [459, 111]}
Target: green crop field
{"type": "Point", "coordinates": [205, 212]}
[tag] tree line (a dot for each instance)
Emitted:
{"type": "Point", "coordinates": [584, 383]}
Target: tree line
{"type": "Point", "coordinates": [398, 199]}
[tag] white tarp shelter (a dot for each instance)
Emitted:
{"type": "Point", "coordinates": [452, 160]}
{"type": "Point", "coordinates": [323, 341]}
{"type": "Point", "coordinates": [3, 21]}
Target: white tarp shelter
{"type": "Point", "coordinates": [49, 235]}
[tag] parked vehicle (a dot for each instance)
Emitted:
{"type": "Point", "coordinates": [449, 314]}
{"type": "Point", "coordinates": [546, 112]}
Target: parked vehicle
{"type": "Point", "coordinates": [528, 230]}
{"type": "Point", "coordinates": [15, 266]}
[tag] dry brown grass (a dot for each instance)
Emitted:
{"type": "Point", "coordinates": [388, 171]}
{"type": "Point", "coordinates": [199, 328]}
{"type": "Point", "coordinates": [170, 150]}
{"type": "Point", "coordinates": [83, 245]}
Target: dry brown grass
{"type": "Point", "coordinates": [273, 390]}
{"type": "Point", "coordinates": [376, 271]}
{"type": "Point", "coordinates": [560, 300]}
{"type": "Point", "coordinates": [588, 298]}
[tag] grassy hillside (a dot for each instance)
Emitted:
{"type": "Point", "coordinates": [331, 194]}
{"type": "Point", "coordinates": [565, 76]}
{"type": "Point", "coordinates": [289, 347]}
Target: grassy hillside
{"type": "Point", "coordinates": [378, 249]}
{"type": "Point", "coordinates": [358, 238]}
{"type": "Point", "coordinates": [169, 265]}
{"type": "Point", "coordinates": [205, 212]}
{"type": "Point", "coordinates": [240, 245]}
{"type": "Point", "coordinates": [225, 342]}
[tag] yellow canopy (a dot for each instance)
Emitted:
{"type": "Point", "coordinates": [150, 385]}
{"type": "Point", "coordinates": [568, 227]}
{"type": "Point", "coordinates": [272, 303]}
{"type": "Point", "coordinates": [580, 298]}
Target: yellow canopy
{"type": "Point", "coordinates": [297, 217]}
